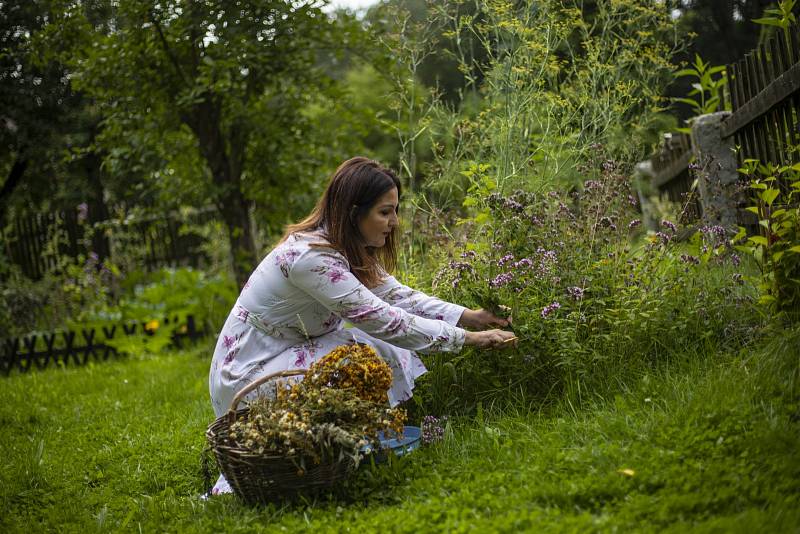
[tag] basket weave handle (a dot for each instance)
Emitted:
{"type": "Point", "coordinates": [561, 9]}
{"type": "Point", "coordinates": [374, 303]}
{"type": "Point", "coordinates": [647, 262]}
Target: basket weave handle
{"type": "Point", "coordinates": [253, 385]}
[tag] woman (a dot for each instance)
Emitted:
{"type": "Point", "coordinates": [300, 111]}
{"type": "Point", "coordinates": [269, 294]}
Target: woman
{"type": "Point", "coordinates": [332, 268]}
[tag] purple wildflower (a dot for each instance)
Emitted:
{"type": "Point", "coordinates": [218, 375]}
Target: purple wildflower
{"type": "Point", "coordinates": [716, 235]}
{"type": "Point", "coordinates": [575, 292]}
{"type": "Point", "coordinates": [664, 238]}
{"type": "Point", "coordinates": [550, 308]}
{"type": "Point", "coordinates": [669, 225]}
{"type": "Point", "coordinates": [687, 258]}
{"type": "Point", "coordinates": [592, 184]}
{"type": "Point", "coordinates": [501, 279]}
{"type": "Point", "coordinates": [735, 260]}
{"type": "Point", "coordinates": [563, 209]}
{"type": "Point", "coordinates": [461, 266]}
{"type": "Point", "coordinates": [513, 205]}
{"type": "Point", "coordinates": [432, 429]}
{"type": "Point", "coordinates": [524, 263]}
{"type": "Point", "coordinates": [505, 259]}
{"type": "Point", "coordinates": [634, 223]}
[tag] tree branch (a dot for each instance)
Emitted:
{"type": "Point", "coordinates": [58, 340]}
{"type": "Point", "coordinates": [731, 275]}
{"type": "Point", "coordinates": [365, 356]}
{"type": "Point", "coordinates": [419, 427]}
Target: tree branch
{"type": "Point", "coordinates": [167, 49]}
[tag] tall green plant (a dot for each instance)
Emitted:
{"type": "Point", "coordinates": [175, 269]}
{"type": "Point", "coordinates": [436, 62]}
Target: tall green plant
{"type": "Point", "coordinates": [556, 78]}
{"type": "Point", "coordinates": [777, 248]}
{"type": "Point", "coordinates": [782, 16]}
{"type": "Point", "coordinates": [707, 90]}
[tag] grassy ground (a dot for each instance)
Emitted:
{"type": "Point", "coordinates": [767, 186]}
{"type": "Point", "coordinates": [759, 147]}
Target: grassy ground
{"type": "Point", "coordinates": [709, 444]}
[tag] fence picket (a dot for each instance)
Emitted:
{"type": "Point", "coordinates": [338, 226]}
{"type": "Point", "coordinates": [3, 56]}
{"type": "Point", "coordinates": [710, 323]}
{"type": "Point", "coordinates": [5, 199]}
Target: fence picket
{"type": "Point", "coordinates": [21, 352]}
{"type": "Point", "coordinates": [159, 238]}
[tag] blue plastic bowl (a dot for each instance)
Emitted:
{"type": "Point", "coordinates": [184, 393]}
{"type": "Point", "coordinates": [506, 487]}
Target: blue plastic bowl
{"type": "Point", "coordinates": [411, 440]}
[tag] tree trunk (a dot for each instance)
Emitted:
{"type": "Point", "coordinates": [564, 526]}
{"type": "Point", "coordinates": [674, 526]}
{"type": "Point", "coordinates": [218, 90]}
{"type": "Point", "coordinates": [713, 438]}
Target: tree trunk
{"type": "Point", "coordinates": [235, 213]}
{"type": "Point", "coordinates": [223, 157]}
{"type": "Point", "coordinates": [11, 183]}
{"type": "Point", "coordinates": [98, 211]}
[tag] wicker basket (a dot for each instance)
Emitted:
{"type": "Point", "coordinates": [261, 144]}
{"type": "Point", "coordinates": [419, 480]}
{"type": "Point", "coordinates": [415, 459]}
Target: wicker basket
{"type": "Point", "coordinates": [261, 478]}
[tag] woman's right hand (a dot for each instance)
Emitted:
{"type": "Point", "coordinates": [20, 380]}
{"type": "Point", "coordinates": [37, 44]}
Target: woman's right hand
{"type": "Point", "coordinates": [491, 339]}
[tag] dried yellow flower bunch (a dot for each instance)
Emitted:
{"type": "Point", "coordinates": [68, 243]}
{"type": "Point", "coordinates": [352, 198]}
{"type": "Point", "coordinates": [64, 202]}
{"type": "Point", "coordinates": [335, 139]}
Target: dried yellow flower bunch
{"type": "Point", "coordinates": [337, 409]}
{"type": "Point", "coordinates": [355, 366]}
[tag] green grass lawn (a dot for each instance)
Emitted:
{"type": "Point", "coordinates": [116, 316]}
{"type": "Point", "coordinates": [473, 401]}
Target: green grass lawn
{"type": "Point", "coordinates": [707, 444]}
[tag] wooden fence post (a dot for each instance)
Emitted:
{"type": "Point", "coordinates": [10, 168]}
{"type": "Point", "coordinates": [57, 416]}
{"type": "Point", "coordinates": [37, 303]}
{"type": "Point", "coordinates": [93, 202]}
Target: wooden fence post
{"type": "Point", "coordinates": [718, 175]}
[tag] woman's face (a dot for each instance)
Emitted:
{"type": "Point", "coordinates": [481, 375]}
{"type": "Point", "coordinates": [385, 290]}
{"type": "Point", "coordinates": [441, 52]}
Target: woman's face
{"type": "Point", "coordinates": [381, 219]}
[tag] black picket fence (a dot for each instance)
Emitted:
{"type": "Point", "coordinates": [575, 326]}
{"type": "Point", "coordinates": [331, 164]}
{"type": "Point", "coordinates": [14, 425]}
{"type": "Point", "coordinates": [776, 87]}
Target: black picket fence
{"type": "Point", "coordinates": [70, 347]}
{"type": "Point", "coordinates": [39, 243]}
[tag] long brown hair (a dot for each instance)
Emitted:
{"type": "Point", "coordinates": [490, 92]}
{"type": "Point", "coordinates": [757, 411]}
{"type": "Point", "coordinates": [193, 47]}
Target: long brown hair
{"type": "Point", "coordinates": [353, 189]}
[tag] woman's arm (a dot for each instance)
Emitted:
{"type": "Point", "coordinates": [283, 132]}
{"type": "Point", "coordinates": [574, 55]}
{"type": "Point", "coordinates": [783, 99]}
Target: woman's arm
{"type": "Point", "coordinates": [418, 303]}
{"type": "Point", "coordinates": [324, 274]}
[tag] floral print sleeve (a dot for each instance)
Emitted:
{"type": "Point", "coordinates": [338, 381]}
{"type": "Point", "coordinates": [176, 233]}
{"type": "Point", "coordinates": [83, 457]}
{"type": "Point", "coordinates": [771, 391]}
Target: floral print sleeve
{"type": "Point", "coordinates": [416, 302]}
{"type": "Point", "coordinates": [325, 275]}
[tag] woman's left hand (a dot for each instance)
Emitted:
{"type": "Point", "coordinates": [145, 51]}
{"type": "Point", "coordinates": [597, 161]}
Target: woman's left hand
{"type": "Point", "coordinates": [482, 319]}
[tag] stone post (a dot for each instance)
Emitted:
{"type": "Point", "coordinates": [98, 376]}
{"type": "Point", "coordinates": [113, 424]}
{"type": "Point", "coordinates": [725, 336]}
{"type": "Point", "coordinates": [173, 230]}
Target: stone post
{"type": "Point", "coordinates": [718, 177]}
{"type": "Point", "coordinates": [643, 172]}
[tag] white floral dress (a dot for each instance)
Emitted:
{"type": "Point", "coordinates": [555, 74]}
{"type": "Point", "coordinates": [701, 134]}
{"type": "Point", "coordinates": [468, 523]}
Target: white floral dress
{"type": "Point", "coordinates": [293, 309]}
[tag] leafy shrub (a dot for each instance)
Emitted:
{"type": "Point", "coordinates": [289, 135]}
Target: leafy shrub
{"type": "Point", "coordinates": [75, 292]}
{"type": "Point", "coordinates": [166, 294]}
{"type": "Point", "coordinates": [775, 193]}
{"type": "Point", "coordinates": [586, 291]}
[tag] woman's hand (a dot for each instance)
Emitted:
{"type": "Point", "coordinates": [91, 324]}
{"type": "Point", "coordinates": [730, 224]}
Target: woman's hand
{"type": "Point", "coordinates": [481, 319]}
{"type": "Point", "coordinates": [491, 339]}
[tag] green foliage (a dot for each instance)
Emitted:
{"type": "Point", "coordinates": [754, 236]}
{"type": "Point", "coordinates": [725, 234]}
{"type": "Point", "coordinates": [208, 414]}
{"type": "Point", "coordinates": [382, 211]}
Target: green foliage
{"type": "Point", "coordinates": [163, 295]}
{"type": "Point", "coordinates": [586, 291]}
{"type": "Point", "coordinates": [70, 288]}
{"type": "Point", "coordinates": [557, 78]}
{"type": "Point", "coordinates": [775, 193]}
{"type": "Point", "coordinates": [39, 109]}
{"type": "Point", "coordinates": [704, 444]}
{"type": "Point", "coordinates": [781, 16]}
{"type": "Point", "coordinates": [212, 108]}
{"type": "Point", "coordinates": [707, 91]}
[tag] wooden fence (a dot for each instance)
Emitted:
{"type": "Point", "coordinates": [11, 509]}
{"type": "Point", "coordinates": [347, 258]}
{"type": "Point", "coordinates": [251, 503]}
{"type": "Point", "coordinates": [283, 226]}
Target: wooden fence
{"type": "Point", "coordinates": [670, 167]}
{"type": "Point", "coordinates": [42, 242]}
{"type": "Point", "coordinates": [70, 347]}
{"type": "Point", "coordinates": [764, 90]}
{"type": "Point", "coordinates": [764, 93]}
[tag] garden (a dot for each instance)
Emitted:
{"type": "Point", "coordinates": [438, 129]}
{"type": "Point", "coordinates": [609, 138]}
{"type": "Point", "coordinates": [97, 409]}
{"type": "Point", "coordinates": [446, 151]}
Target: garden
{"type": "Point", "coordinates": [619, 179]}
